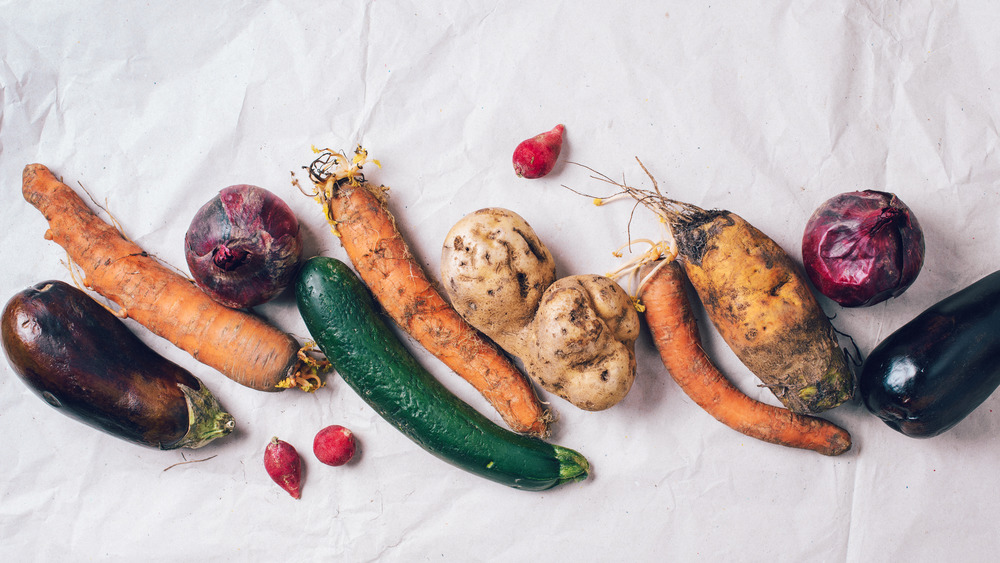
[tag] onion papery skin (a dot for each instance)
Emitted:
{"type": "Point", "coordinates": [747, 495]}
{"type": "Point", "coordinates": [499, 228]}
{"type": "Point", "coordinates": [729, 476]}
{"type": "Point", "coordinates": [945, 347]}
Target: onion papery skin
{"type": "Point", "coordinates": [862, 248]}
{"type": "Point", "coordinates": [244, 246]}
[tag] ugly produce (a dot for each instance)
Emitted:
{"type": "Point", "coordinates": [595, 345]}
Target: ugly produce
{"type": "Point", "coordinates": [243, 246]}
{"type": "Point", "coordinates": [361, 218]}
{"type": "Point", "coordinates": [284, 466]}
{"type": "Point", "coordinates": [932, 372]}
{"type": "Point", "coordinates": [242, 346]}
{"type": "Point", "coordinates": [576, 335]}
{"type": "Point", "coordinates": [674, 328]}
{"type": "Point", "coordinates": [82, 360]}
{"type": "Point", "coordinates": [334, 445]}
{"type": "Point", "coordinates": [757, 299]}
{"type": "Point", "coordinates": [340, 314]}
{"type": "Point", "coordinates": [537, 156]}
{"type": "Point", "coordinates": [861, 248]}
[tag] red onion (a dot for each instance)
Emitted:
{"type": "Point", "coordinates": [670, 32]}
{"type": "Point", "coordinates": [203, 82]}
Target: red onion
{"type": "Point", "coordinates": [243, 247]}
{"type": "Point", "coordinates": [861, 248]}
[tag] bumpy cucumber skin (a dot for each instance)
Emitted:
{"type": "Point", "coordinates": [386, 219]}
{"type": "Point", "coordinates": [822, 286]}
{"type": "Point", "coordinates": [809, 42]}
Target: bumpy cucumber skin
{"type": "Point", "coordinates": [341, 317]}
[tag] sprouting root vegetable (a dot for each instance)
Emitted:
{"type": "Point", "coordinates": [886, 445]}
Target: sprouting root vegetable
{"type": "Point", "coordinates": [576, 336]}
{"type": "Point", "coordinates": [674, 328]}
{"type": "Point", "coordinates": [537, 156]}
{"type": "Point", "coordinates": [755, 296]}
{"type": "Point", "coordinates": [359, 214]}
{"type": "Point", "coordinates": [334, 445]}
{"type": "Point", "coordinates": [284, 466]}
{"type": "Point", "coordinates": [240, 345]}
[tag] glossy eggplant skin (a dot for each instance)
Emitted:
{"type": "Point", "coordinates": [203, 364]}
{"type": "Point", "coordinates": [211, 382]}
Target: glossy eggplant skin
{"type": "Point", "coordinates": [935, 370]}
{"type": "Point", "coordinates": [81, 359]}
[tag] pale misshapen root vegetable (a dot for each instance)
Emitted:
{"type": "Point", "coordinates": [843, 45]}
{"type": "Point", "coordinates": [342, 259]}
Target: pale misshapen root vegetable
{"type": "Point", "coordinates": [756, 297]}
{"type": "Point", "coordinates": [334, 445]}
{"type": "Point", "coordinates": [575, 335]}
{"type": "Point", "coordinates": [243, 246]}
{"type": "Point", "coordinates": [359, 215]}
{"type": "Point", "coordinates": [675, 333]}
{"type": "Point", "coordinates": [238, 344]}
{"type": "Point", "coordinates": [537, 156]}
{"type": "Point", "coordinates": [284, 466]}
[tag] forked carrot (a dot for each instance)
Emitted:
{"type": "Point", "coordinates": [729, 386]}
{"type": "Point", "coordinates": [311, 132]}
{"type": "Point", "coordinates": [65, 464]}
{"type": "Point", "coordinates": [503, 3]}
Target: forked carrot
{"type": "Point", "coordinates": [242, 346]}
{"type": "Point", "coordinates": [359, 214]}
{"type": "Point", "coordinates": [675, 333]}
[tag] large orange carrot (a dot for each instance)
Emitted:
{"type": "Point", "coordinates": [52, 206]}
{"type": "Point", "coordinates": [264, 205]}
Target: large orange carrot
{"type": "Point", "coordinates": [240, 345]}
{"type": "Point", "coordinates": [675, 333]}
{"type": "Point", "coordinates": [368, 232]}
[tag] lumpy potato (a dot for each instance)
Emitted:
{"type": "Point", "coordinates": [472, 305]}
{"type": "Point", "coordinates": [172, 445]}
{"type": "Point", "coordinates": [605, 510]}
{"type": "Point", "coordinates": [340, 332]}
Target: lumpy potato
{"type": "Point", "coordinates": [575, 336]}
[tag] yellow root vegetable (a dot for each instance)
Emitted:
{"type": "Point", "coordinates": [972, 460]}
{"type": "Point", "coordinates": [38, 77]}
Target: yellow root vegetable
{"type": "Point", "coordinates": [758, 300]}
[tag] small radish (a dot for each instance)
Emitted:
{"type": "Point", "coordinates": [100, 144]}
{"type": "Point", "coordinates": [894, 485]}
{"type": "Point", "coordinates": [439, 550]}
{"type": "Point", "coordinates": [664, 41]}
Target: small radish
{"type": "Point", "coordinates": [334, 445]}
{"type": "Point", "coordinates": [535, 157]}
{"type": "Point", "coordinates": [284, 466]}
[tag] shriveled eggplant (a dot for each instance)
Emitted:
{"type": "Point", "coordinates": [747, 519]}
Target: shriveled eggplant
{"type": "Point", "coordinates": [935, 370]}
{"type": "Point", "coordinates": [82, 360]}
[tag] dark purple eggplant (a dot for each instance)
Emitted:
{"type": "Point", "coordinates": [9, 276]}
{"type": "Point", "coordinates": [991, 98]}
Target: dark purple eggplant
{"type": "Point", "coordinates": [84, 361]}
{"type": "Point", "coordinates": [935, 370]}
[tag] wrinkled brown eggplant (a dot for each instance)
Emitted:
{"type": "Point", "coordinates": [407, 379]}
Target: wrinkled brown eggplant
{"type": "Point", "coordinates": [935, 370]}
{"type": "Point", "coordinates": [84, 361]}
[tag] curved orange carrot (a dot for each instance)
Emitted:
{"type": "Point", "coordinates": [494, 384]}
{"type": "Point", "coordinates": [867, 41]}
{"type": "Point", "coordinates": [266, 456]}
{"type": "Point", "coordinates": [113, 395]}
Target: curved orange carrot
{"type": "Point", "coordinates": [675, 334]}
{"type": "Point", "coordinates": [240, 345]}
{"type": "Point", "coordinates": [367, 230]}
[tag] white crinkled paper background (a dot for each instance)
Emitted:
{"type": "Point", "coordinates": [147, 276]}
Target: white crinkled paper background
{"type": "Point", "coordinates": [763, 110]}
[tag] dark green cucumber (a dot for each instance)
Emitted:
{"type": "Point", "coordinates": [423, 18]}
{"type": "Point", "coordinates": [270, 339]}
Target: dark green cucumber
{"type": "Point", "coordinates": [340, 315]}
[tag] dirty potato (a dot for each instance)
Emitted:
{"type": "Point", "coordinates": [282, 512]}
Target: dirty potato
{"type": "Point", "coordinates": [575, 336]}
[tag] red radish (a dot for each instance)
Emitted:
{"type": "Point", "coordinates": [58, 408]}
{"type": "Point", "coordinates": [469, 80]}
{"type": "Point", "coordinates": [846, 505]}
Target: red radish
{"type": "Point", "coordinates": [535, 157]}
{"type": "Point", "coordinates": [334, 445]}
{"type": "Point", "coordinates": [284, 466]}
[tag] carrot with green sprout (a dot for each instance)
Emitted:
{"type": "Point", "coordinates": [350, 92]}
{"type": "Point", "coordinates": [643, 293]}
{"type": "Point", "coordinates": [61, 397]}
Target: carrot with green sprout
{"type": "Point", "coordinates": [359, 215]}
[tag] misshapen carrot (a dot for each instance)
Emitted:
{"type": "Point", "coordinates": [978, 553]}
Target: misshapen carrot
{"type": "Point", "coordinates": [757, 298]}
{"type": "Point", "coordinates": [367, 229]}
{"type": "Point", "coordinates": [675, 333]}
{"type": "Point", "coordinates": [240, 345]}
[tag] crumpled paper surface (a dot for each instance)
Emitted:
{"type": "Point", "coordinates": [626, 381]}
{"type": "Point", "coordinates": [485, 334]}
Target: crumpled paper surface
{"type": "Point", "coordinates": [763, 110]}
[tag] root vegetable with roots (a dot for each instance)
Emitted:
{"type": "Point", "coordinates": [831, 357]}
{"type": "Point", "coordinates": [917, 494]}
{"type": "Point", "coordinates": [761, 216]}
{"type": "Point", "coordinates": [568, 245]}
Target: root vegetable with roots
{"type": "Point", "coordinates": [754, 294]}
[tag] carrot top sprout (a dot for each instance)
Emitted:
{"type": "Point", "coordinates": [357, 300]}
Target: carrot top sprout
{"type": "Point", "coordinates": [307, 376]}
{"type": "Point", "coordinates": [333, 169]}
